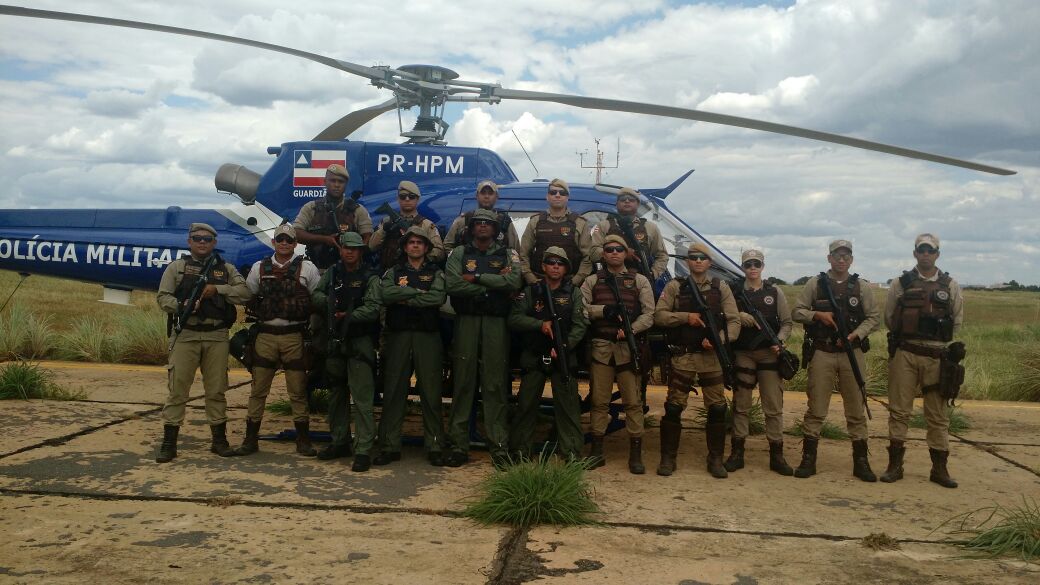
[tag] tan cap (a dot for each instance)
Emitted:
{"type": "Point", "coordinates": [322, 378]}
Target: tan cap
{"type": "Point", "coordinates": [628, 191]}
{"type": "Point", "coordinates": [840, 244]}
{"type": "Point", "coordinates": [201, 227]}
{"type": "Point", "coordinates": [558, 252]}
{"type": "Point", "coordinates": [416, 230]}
{"type": "Point", "coordinates": [930, 239]}
{"type": "Point", "coordinates": [752, 254]}
{"type": "Point", "coordinates": [561, 184]}
{"type": "Point", "coordinates": [284, 229]}
{"type": "Point", "coordinates": [351, 240]}
{"type": "Point", "coordinates": [340, 170]}
{"type": "Point", "coordinates": [488, 183]}
{"type": "Point", "coordinates": [409, 187]}
{"type": "Point", "coordinates": [615, 239]}
{"type": "Point", "coordinates": [699, 247]}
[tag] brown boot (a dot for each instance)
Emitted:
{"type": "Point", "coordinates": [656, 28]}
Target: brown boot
{"type": "Point", "coordinates": [220, 445]}
{"type": "Point", "coordinates": [251, 442]}
{"type": "Point", "coordinates": [596, 452]}
{"type": "Point", "coordinates": [670, 433]}
{"type": "Point", "coordinates": [777, 462]}
{"type": "Point", "coordinates": [635, 456]}
{"type": "Point", "coordinates": [807, 468]}
{"type": "Point", "coordinates": [940, 474]}
{"type": "Point", "coordinates": [894, 472]}
{"type": "Point", "coordinates": [168, 447]}
{"type": "Point", "coordinates": [736, 455]}
{"type": "Point", "coordinates": [715, 436]}
{"type": "Point", "coordinates": [303, 438]}
{"type": "Point", "coordinates": [860, 461]}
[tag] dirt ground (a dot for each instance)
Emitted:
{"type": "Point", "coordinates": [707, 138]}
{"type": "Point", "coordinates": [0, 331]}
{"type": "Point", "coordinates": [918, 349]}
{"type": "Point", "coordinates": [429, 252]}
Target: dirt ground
{"type": "Point", "coordinates": [82, 500]}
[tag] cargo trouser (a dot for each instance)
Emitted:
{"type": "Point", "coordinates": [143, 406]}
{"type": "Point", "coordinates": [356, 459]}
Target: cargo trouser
{"type": "Point", "coordinates": [350, 372]}
{"type": "Point", "coordinates": [907, 374]}
{"type": "Point", "coordinates": [566, 409]}
{"type": "Point", "coordinates": [270, 351]}
{"type": "Point", "coordinates": [187, 357]}
{"type": "Point", "coordinates": [758, 366]}
{"type": "Point", "coordinates": [602, 387]}
{"type": "Point", "coordinates": [701, 368]}
{"type": "Point", "coordinates": [823, 369]}
{"type": "Point", "coordinates": [402, 350]}
{"type": "Point", "coordinates": [481, 346]}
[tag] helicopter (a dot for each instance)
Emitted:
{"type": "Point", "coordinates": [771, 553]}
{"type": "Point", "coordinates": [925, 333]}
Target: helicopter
{"type": "Point", "coordinates": [126, 249]}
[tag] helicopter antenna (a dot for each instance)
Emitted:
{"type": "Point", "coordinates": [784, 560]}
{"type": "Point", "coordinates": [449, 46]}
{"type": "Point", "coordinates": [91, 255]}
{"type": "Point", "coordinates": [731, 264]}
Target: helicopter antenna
{"type": "Point", "coordinates": [599, 166]}
{"type": "Point", "coordinates": [536, 173]}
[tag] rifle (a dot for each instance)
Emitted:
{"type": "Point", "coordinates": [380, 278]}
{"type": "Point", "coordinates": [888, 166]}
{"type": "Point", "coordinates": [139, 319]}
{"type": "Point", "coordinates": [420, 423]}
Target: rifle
{"type": "Point", "coordinates": [626, 322]}
{"type": "Point", "coordinates": [790, 360]}
{"type": "Point", "coordinates": [843, 338]}
{"type": "Point", "coordinates": [396, 221]}
{"type": "Point", "coordinates": [625, 223]}
{"type": "Point", "coordinates": [559, 339]}
{"type": "Point", "coordinates": [180, 318]}
{"type": "Point", "coordinates": [729, 378]}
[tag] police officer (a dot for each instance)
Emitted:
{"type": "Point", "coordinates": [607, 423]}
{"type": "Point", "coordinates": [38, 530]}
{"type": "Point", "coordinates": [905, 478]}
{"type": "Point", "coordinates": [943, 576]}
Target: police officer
{"type": "Point", "coordinates": [412, 292]}
{"type": "Point", "coordinates": [611, 357]}
{"type": "Point", "coordinates": [480, 277]}
{"type": "Point", "coordinates": [694, 357]}
{"type": "Point", "coordinates": [319, 222]}
{"type": "Point", "coordinates": [203, 342]}
{"type": "Point", "coordinates": [829, 359]}
{"type": "Point", "coordinates": [538, 360]}
{"type": "Point", "coordinates": [756, 363]}
{"type": "Point", "coordinates": [487, 196]}
{"type": "Point", "coordinates": [647, 236]}
{"type": "Point", "coordinates": [386, 240]}
{"type": "Point", "coordinates": [556, 227]}
{"type": "Point", "coordinates": [282, 286]}
{"type": "Point", "coordinates": [923, 312]}
{"type": "Point", "coordinates": [350, 292]}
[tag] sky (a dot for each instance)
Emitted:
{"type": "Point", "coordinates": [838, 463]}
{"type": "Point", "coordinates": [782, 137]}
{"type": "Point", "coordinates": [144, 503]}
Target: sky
{"type": "Point", "coordinates": [102, 117]}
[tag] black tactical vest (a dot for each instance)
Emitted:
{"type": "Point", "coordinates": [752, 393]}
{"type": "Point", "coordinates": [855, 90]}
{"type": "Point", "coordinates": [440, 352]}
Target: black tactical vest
{"type": "Point", "coordinates": [642, 240]}
{"type": "Point", "coordinates": [603, 295]}
{"type": "Point", "coordinates": [215, 307]}
{"type": "Point", "coordinates": [534, 340]}
{"type": "Point", "coordinates": [766, 300]}
{"type": "Point", "coordinates": [691, 337]}
{"type": "Point", "coordinates": [463, 237]}
{"type": "Point", "coordinates": [925, 311]}
{"type": "Point", "coordinates": [848, 296]}
{"type": "Point", "coordinates": [350, 289]}
{"type": "Point", "coordinates": [322, 223]}
{"type": "Point", "coordinates": [400, 317]}
{"type": "Point", "coordinates": [493, 303]}
{"type": "Point", "coordinates": [550, 233]}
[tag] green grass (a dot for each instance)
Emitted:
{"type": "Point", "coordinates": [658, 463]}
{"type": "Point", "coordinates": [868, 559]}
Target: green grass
{"type": "Point", "coordinates": [827, 431]}
{"type": "Point", "coordinates": [756, 419]}
{"type": "Point", "coordinates": [90, 340]}
{"type": "Point", "coordinates": [140, 337]}
{"type": "Point", "coordinates": [1005, 532]}
{"type": "Point", "coordinates": [26, 380]}
{"type": "Point", "coordinates": [24, 335]}
{"type": "Point", "coordinates": [543, 491]}
{"type": "Point", "coordinates": [959, 422]}
{"type": "Point", "coordinates": [319, 403]}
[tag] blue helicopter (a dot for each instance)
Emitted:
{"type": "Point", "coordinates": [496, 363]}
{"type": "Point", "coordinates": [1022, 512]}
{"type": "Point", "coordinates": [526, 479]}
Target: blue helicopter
{"type": "Point", "coordinates": [128, 249]}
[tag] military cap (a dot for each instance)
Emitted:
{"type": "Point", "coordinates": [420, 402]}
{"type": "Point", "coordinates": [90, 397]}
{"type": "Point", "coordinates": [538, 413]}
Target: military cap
{"type": "Point", "coordinates": [340, 170]}
{"type": "Point", "coordinates": [930, 239]}
{"type": "Point", "coordinates": [351, 240]}
{"type": "Point", "coordinates": [286, 229]}
{"type": "Point", "coordinates": [561, 184]}
{"type": "Point", "coordinates": [558, 252]}
{"type": "Point", "coordinates": [752, 254]}
{"type": "Point", "coordinates": [485, 214]}
{"type": "Point", "coordinates": [840, 244]}
{"type": "Point", "coordinates": [416, 231]}
{"type": "Point", "coordinates": [628, 191]}
{"type": "Point", "coordinates": [409, 187]}
{"type": "Point", "coordinates": [699, 247]}
{"type": "Point", "coordinates": [487, 183]}
{"type": "Point", "coordinates": [201, 227]}
{"type": "Point", "coordinates": [615, 239]}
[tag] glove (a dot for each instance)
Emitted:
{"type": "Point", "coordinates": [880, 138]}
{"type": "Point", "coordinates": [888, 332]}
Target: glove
{"type": "Point", "coordinates": [611, 312]}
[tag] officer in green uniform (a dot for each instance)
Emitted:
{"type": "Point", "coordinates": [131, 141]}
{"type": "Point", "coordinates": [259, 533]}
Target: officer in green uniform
{"type": "Point", "coordinates": [561, 227]}
{"type": "Point", "coordinates": [203, 342]}
{"type": "Point", "coordinates": [648, 236]}
{"type": "Point", "coordinates": [319, 222]}
{"type": "Point", "coordinates": [353, 292]}
{"type": "Point", "coordinates": [386, 241]}
{"type": "Point", "coordinates": [487, 196]}
{"type": "Point", "coordinates": [923, 312]}
{"type": "Point", "coordinates": [538, 360]}
{"type": "Point", "coordinates": [480, 277]}
{"type": "Point", "coordinates": [412, 292]}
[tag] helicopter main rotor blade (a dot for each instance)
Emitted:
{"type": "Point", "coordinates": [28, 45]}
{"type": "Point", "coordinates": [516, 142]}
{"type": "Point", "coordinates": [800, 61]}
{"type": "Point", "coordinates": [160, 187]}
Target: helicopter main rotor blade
{"type": "Point", "coordinates": [346, 125]}
{"type": "Point", "coordinates": [354, 68]}
{"type": "Point", "coordinates": [701, 116]}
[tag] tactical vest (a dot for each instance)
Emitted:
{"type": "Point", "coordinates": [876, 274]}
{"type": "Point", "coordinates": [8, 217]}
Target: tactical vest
{"type": "Point", "coordinates": [401, 317]}
{"type": "Point", "coordinates": [766, 300]}
{"type": "Point", "coordinates": [603, 295]}
{"type": "Point", "coordinates": [550, 233]}
{"type": "Point", "coordinates": [463, 238]}
{"type": "Point", "coordinates": [925, 311]}
{"type": "Point", "coordinates": [849, 297]}
{"type": "Point", "coordinates": [390, 253]}
{"type": "Point", "coordinates": [692, 337]}
{"type": "Point", "coordinates": [282, 294]}
{"type": "Point", "coordinates": [350, 288]}
{"type": "Point", "coordinates": [323, 255]}
{"type": "Point", "coordinates": [493, 303]}
{"type": "Point", "coordinates": [642, 240]}
{"type": "Point", "coordinates": [215, 307]}
{"type": "Point", "coordinates": [534, 340]}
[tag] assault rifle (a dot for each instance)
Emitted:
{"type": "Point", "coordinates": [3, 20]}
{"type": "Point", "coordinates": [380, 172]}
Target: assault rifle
{"type": "Point", "coordinates": [625, 223]}
{"type": "Point", "coordinates": [335, 333]}
{"type": "Point", "coordinates": [395, 220]}
{"type": "Point", "coordinates": [843, 338]}
{"type": "Point", "coordinates": [729, 377]}
{"type": "Point", "coordinates": [187, 308]}
{"type": "Point", "coordinates": [788, 361]}
{"type": "Point", "coordinates": [558, 336]}
{"type": "Point", "coordinates": [626, 322]}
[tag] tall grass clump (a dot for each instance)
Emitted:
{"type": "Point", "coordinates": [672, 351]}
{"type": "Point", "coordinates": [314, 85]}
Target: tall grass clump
{"type": "Point", "coordinates": [88, 340]}
{"type": "Point", "coordinates": [542, 491]}
{"type": "Point", "coordinates": [827, 431]}
{"type": "Point", "coordinates": [26, 380]}
{"type": "Point", "coordinates": [317, 404]}
{"type": "Point", "coordinates": [756, 418]}
{"type": "Point", "coordinates": [141, 337]}
{"type": "Point", "coordinates": [959, 422]}
{"type": "Point", "coordinates": [1005, 532]}
{"type": "Point", "coordinates": [24, 335]}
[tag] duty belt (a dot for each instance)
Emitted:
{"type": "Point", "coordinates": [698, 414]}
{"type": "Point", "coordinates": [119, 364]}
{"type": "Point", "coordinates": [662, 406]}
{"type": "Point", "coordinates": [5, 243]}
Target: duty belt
{"type": "Point", "coordinates": [282, 329]}
{"type": "Point", "coordinates": [205, 327]}
{"type": "Point", "coordinates": [922, 350]}
{"type": "Point", "coordinates": [832, 347]}
{"type": "Point", "coordinates": [676, 350]}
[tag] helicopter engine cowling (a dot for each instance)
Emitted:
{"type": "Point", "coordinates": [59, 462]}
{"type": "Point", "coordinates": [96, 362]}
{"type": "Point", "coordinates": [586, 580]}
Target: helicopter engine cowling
{"type": "Point", "coordinates": [237, 179]}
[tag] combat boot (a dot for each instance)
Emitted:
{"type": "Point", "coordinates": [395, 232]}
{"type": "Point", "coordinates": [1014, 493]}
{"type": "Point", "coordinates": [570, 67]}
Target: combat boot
{"type": "Point", "coordinates": [777, 462]}
{"type": "Point", "coordinates": [894, 472]}
{"type": "Point", "coordinates": [332, 451]}
{"type": "Point", "coordinates": [736, 455]}
{"type": "Point", "coordinates": [670, 433]}
{"type": "Point", "coordinates": [860, 462]}
{"type": "Point", "coordinates": [596, 458]}
{"type": "Point", "coordinates": [303, 438]}
{"type": "Point", "coordinates": [940, 474]}
{"type": "Point", "coordinates": [251, 443]}
{"type": "Point", "coordinates": [362, 463]}
{"type": "Point", "coordinates": [807, 468]}
{"type": "Point", "coordinates": [715, 436]}
{"type": "Point", "coordinates": [219, 444]}
{"type": "Point", "coordinates": [635, 456]}
{"type": "Point", "coordinates": [168, 447]}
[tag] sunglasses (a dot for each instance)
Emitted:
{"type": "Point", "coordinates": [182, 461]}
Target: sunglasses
{"type": "Point", "coordinates": [408, 196]}
{"type": "Point", "coordinates": [483, 222]}
{"type": "Point", "coordinates": [615, 249]}
{"type": "Point", "coordinates": [752, 264]}
{"type": "Point", "coordinates": [487, 191]}
{"type": "Point", "coordinates": [554, 262]}
{"type": "Point", "coordinates": [841, 257]}
{"type": "Point", "coordinates": [202, 239]}
{"type": "Point", "coordinates": [284, 240]}
{"type": "Point", "coordinates": [559, 192]}
{"type": "Point", "coordinates": [927, 250]}
{"type": "Point", "coordinates": [698, 257]}
{"type": "Point", "coordinates": [627, 199]}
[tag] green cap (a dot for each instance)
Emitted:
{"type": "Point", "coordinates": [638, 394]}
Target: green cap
{"type": "Point", "coordinates": [351, 240]}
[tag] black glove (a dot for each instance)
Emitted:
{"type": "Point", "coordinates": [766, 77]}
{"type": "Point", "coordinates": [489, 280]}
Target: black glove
{"type": "Point", "coordinates": [612, 312]}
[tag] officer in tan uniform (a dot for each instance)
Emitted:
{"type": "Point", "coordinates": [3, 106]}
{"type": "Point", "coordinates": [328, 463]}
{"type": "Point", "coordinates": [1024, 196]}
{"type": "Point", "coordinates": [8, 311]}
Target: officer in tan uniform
{"type": "Point", "coordinates": [387, 238]}
{"type": "Point", "coordinates": [556, 227]}
{"type": "Point", "coordinates": [756, 363]}
{"type": "Point", "coordinates": [829, 361]}
{"type": "Point", "coordinates": [282, 286]}
{"type": "Point", "coordinates": [694, 357]}
{"type": "Point", "coordinates": [611, 358]}
{"type": "Point", "coordinates": [317, 228]}
{"type": "Point", "coordinates": [487, 196]}
{"type": "Point", "coordinates": [923, 312]}
{"type": "Point", "coordinates": [648, 236]}
{"type": "Point", "coordinates": [203, 341]}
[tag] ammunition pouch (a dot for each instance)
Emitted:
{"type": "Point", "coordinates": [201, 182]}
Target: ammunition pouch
{"type": "Point", "coordinates": [893, 344]}
{"type": "Point", "coordinates": [951, 372]}
{"type": "Point", "coordinates": [787, 364]}
{"type": "Point", "coordinates": [808, 349]}
{"type": "Point", "coordinates": [240, 346]}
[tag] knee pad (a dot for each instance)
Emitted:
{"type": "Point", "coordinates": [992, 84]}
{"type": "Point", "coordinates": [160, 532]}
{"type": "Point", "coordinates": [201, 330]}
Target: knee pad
{"type": "Point", "coordinates": [672, 412]}
{"type": "Point", "coordinates": [716, 413]}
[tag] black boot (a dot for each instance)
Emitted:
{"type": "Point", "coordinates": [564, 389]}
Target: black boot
{"type": "Point", "coordinates": [362, 463]}
{"type": "Point", "coordinates": [332, 451]}
{"type": "Point", "coordinates": [715, 435]}
{"type": "Point", "coordinates": [168, 447]}
{"type": "Point", "coordinates": [386, 457]}
{"type": "Point", "coordinates": [303, 438]}
{"type": "Point", "coordinates": [635, 456]}
{"type": "Point", "coordinates": [251, 443]}
{"type": "Point", "coordinates": [777, 462]}
{"type": "Point", "coordinates": [671, 430]}
{"type": "Point", "coordinates": [895, 462]}
{"type": "Point", "coordinates": [596, 452]}
{"type": "Point", "coordinates": [736, 455]}
{"type": "Point", "coordinates": [940, 474]}
{"type": "Point", "coordinates": [807, 468]}
{"type": "Point", "coordinates": [220, 445]}
{"type": "Point", "coordinates": [860, 462]}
